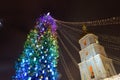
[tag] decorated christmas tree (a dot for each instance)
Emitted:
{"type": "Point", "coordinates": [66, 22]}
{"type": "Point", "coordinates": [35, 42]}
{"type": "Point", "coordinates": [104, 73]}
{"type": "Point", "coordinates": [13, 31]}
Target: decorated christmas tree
{"type": "Point", "coordinates": [38, 60]}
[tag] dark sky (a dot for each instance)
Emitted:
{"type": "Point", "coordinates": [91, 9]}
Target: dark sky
{"type": "Point", "coordinates": [19, 15]}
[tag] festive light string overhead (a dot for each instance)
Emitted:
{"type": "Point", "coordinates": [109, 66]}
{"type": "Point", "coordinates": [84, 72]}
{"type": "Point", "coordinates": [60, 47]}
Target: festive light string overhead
{"type": "Point", "coordinates": [68, 52]}
{"type": "Point", "coordinates": [107, 21]}
{"type": "Point", "coordinates": [112, 46]}
{"type": "Point", "coordinates": [67, 71]}
{"type": "Point", "coordinates": [69, 27]}
{"type": "Point", "coordinates": [112, 39]}
{"type": "Point", "coordinates": [72, 44]}
{"type": "Point", "coordinates": [38, 60]}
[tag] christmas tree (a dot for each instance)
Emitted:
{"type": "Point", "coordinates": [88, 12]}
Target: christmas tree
{"type": "Point", "coordinates": [38, 60]}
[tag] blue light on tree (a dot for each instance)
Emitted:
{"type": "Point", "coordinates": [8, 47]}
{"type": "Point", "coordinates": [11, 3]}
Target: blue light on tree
{"type": "Point", "coordinates": [39, 58]}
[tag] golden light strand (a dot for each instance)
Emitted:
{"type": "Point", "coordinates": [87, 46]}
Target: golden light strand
{"type": "Point", "coordinates": [100, 22]}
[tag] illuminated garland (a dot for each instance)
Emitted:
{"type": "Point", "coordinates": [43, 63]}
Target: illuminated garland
{"type": "Point", "coordinates": [39, 57]}
{"type": "Point", "coordinates": [100, 22]}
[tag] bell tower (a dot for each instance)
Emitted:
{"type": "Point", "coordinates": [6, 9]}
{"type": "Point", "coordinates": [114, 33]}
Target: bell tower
{"type": "Point", "coordinates": [95, 64]}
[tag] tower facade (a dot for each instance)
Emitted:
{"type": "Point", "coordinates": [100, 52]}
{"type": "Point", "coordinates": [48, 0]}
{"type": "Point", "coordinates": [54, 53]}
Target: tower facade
{"type": "Point", "coordinates": [95, 65]}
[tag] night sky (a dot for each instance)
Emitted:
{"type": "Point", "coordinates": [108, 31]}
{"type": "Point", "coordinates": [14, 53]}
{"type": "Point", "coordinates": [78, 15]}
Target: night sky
{"type": "Point", "coordinates": [18, 17]}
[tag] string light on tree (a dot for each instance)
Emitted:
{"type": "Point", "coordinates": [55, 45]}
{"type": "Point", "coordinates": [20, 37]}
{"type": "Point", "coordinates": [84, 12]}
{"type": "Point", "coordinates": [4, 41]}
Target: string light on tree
{"type": "Point", "coordinates": [38, 60]}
